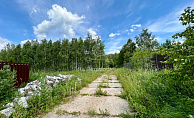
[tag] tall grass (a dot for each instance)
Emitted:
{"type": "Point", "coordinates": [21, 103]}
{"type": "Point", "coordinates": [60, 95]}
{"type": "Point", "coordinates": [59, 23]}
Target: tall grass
{"type": "Point", "coordinates": [150, 96]}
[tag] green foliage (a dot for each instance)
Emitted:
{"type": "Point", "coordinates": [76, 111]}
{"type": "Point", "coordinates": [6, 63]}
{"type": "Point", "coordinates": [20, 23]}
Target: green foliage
{"type": "Point", "coordinates": [6, 82]}
{"type": "Point", "coordinates": [92, 112]}
{"type": "Point", "coordinates": [146, 41]}
{"type": "Point", "coordinates": [126, 53]}
{"type": "Point", "coordinates": [59, 55]}
{"type": "Point", "coordinates": [182, 58]}
{"type": "Point", "coordinates": [104, 112]}
{"type": "Point", "coordinates": [141, 59]}
{"type": "Point", "coordinates": [49, 98]}
{"type": "Point", "coordinates": [153, 95]}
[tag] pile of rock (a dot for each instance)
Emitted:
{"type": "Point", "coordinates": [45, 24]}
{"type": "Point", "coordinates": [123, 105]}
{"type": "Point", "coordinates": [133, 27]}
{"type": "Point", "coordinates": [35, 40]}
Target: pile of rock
{"type": "Point", "coordinates": [32, 88]}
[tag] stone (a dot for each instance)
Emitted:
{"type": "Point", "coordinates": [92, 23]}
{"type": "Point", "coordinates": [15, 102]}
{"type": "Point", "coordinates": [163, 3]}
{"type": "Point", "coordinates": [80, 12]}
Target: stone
{"type": "Point", "coordinates": [49, 82]}
{"type": "Point", "coordinates": [30, 93]}
{"type": "Point", "coordinates": [7, 112]}
{"type": "Point", "coordinates": [79, 80]}
{"type": "Point", "coordinates": [22, 91]}
{"type": "Point", "coordinates": [22, 101]}
{"type": "Point", "coordinates": [9, 104]}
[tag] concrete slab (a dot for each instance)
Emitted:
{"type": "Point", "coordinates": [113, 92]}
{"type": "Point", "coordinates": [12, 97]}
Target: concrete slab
{"type": "Point", "coordinates": [112, 85]}
{"type": "Point", "coordinates": [113, 77]}
{"type": "Point", "coordinates": [52, 115]}
{"type": "Point", "coordinates": [115, 105]}
{"type": "Point", "coordinates": [110, 91]}
{"type": "Point", "coordinates": [113, 81]}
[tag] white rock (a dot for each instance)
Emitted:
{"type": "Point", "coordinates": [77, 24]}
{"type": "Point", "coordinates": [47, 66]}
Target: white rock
{"type": "Point", "coordinates": [7, 112]}
{"type": "Point", "coordinates": [34, 87]}
{"type": "Point", "coordinates": [22, 101]}
{"type": "Point", "coordinates": [22, 91]}
{"type": "Point", "coordinates": [49, 82]}
{"type": "Point", "coordinates": [57, 77]}
{"type": "Point", "coordinates": [30, 93]}
{"type": "Point", "coordinates": [55, 84]}
{"type": "Point", "coordinates": [78, 79]}
{"type": "Point", "coordinates": [9, 104]}
{"type": "Point", "coordinates": [57, 81]}
{"type": "Point", "coordinates": [28, 87]}
{"type": "Point", "coordinates": [62, 76]}
{"type": "Point", "coordinates": [49, 77]}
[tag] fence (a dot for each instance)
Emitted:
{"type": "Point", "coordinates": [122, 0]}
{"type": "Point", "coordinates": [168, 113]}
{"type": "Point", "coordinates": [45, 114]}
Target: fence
{"type": "Point", "coordinates": [157, 62]}
{"type": "Point", "coordinates": [22, 72]}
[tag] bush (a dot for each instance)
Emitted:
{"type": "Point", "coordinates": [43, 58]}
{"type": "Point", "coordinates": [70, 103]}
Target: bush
{"type": "Point", "coordinates": [6, 82]}
{"type": "Point", "coordinates": [153, 94]}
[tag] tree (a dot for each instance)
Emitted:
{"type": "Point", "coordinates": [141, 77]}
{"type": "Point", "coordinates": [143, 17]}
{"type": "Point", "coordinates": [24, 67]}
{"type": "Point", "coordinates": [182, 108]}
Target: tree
{"type": "Point", "coordinates": [126, 53]}
{"type": "Point", "coordinates": [182, 57]}
{"type": "Point", "coordinates": [146, 42]}
{"type": "Point", "coordinates": [18, 53]}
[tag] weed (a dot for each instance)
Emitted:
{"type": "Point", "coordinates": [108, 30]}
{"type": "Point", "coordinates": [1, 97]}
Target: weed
{"type": "Point", "coordinates": [99, 92]}
{"type": "Point", "coordinates": [59, 112]}
{"type": "Point", "coordinates": [75, 113]}
{"type": "Point", "coordinates": [106, 112]}
{"type": "Point", "coordinates": [84, 94]}
{"type": "Point", "coordinates": [104, 80]}
{"type": "Point", "coordinates": [62, 112]}
{"type": "Point", "coordinates": [92, 112]}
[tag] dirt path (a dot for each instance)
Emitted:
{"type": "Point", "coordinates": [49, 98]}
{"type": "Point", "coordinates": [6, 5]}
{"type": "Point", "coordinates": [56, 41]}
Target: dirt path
{"type": "Point", "coordinates": [87, 103]}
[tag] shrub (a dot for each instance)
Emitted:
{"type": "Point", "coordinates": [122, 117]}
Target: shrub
{"type": "Point", "coordinates": [6, 82]}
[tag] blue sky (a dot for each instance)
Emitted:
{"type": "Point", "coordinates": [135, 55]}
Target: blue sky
{"type": "Point", "coordinates": [115, 21]}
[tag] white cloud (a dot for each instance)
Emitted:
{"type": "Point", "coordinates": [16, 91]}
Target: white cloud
{"type": "Point", "coordinates": [114, 44]}
{"type": "Point", "coordinates": [99, 26]}
{"type": "Point", "coordinates": [3, 42]}
{"type": "Point", "coordinates": [23, 42]}
{"type": "Point", "coordinates": [133, 27]}
{"type": "Point", "coordinates": [61, 23]}
{"type": "Point", "coordinates": [159, 39]}
{"type": "Point", "coordinates": [112, 34]}
{"type": "Point", "coordinates": [34, 10]}
{"type": "Point", "coordinates": [114, 51]}
{"type": "Point", "coordinates": [132, 30]}
{"type": "Point", "coordinates": [136, 25]}
{"type": "Point", "coordinates": [92, 32]}
{"type": "Point", "coordinates": [181, 41]}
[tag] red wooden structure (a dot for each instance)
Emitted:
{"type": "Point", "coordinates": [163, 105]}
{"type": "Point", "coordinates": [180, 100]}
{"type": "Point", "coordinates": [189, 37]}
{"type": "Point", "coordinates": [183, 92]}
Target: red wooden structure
{"type": "Point", "coordinates": [22, 72]}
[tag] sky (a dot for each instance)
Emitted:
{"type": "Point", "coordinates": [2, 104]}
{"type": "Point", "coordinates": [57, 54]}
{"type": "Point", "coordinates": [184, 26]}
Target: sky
{"type": "Point", "coordinates": [115, 21]}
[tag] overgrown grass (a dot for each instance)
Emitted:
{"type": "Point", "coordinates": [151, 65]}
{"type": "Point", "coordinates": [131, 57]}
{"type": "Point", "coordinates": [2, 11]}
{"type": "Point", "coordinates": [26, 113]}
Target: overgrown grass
{"type": "Point", "coordinates": [38, 105]}
{"type": "Point", "coordinates": [99, 92]}
{"type": "Point", "coordinates": [150, 96]}
{"type": "Point", "coordinates": [92, 112]}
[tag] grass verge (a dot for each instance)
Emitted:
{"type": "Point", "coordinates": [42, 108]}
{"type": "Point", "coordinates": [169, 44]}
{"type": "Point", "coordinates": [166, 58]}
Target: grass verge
{"type": "Point", "coordinates": [151, 96]}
